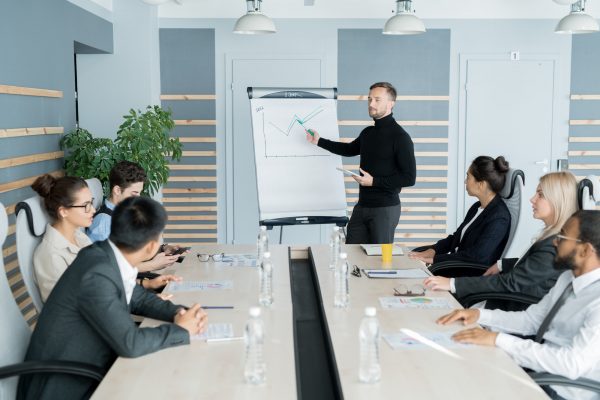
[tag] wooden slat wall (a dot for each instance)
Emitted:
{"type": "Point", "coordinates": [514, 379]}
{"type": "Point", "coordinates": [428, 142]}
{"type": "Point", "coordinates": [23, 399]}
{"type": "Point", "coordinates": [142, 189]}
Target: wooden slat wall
{"type": "Point", "coordinates": [190, 196]}
{"type": "Point", "coordinates": [15, 189]}
{"type": "Point", "coordinates": [584, 138]}
{"type": "Point", "coordinates": [424, 206]}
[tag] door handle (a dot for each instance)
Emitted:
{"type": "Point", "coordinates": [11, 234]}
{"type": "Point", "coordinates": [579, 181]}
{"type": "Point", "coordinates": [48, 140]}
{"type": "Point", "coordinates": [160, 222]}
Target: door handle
{"type": "Point", "coordinates": [544, 163]}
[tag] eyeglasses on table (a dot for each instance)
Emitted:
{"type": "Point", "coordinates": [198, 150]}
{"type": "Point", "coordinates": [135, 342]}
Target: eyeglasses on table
{"type": "Point", "coordinates": [204, 257]}
{"type": "Point", "coordinates": [356, 271]}
{"type": "Point", "coordinates": [414, 290]}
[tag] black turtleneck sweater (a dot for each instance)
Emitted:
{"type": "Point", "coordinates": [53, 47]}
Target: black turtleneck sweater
{"type": "Point", "coordinates": [387, 153]}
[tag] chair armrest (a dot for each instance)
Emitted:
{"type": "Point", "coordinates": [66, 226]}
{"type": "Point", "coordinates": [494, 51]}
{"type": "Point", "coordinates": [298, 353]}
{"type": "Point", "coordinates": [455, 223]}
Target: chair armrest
{"type": "Point", "coordinates": [421, 248]}
{"type": "Point", "coordinates": [457, 269]}
{"type": "Point", "coordinates": [475, 298]}
{"type": "Point", "coordinates": [53, 367]}
{"type": "Point", "coordinates": [545, 379]}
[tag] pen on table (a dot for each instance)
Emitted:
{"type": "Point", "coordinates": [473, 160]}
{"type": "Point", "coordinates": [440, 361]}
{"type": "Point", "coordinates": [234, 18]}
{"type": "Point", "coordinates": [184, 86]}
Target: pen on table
{"type": "Point", "coordinates": [382, 272]}
{"type": "Point", "coordinates": [225, 339]}
{"type": "Point", "coordinates": [217, 307]}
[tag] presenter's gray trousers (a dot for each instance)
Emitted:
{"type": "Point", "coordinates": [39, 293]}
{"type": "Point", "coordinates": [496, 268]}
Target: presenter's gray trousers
{"type": "Point", "coordinates": [372, 225]}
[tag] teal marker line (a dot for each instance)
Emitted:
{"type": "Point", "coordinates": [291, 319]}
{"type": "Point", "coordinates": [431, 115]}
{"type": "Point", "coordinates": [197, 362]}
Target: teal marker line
{"type": "Point", "coordinates": [306, 130]}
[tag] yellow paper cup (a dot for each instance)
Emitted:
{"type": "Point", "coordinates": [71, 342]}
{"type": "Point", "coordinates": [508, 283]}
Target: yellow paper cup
{"type": "Point", "coordinates": [386, 252]}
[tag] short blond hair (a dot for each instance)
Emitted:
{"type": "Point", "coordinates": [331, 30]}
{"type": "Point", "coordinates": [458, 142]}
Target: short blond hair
{"type": "Point", "coordinates": [560, 189]}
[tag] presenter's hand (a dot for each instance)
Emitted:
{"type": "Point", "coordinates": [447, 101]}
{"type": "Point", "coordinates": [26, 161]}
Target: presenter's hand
{"type": "Point", "coordinates": [493, 270]}
{"type": "Point", "coordinates": [314, 138]}
{"type": "Point", "coordinates": [479, 336]}
{"type": "Point", "coordinates": [194, 320]}
{"type": "Point", "coordinates": [365, 180]}
{"type": "Point", "coordinates": [468, 316]}
{"type": "Point", "coordinates": [437, 283]}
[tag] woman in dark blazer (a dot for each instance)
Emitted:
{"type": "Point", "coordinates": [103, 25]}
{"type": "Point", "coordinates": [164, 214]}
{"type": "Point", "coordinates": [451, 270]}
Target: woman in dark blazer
{"type": "Point", "coordinates": [555, 200]}
{"type": "Point", "coordinates": [482, 236]}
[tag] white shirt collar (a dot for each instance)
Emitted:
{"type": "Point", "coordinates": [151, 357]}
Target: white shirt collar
{"type": "Point", "coordinates": [128, 271]}
{"type": "Point", "coordinates": [583, 281]}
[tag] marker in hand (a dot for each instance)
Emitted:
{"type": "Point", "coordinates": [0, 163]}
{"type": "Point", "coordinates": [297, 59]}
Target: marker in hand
{"type": "Point", "coordinates": [309, 131]}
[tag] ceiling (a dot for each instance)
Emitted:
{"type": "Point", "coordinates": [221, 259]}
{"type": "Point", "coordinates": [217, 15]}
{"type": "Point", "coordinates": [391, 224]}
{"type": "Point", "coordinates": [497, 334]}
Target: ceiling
{"type": "Point", "coordinates": [426, 9]}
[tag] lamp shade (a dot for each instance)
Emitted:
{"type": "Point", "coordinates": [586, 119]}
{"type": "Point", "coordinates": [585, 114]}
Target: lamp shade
{"type": "Point", "coordinates": [577, 22]}
{"type": "Point", "coordinates": [254, 23]}
{"type": "Point", "coordinates": [404, 24]}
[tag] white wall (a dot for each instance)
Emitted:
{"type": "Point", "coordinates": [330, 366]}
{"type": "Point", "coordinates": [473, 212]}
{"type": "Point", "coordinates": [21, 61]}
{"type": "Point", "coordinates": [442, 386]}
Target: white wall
{"type": "Point", "coordinates": [467, 37]}
{"type": "Point", "coordinates": [111, 84]}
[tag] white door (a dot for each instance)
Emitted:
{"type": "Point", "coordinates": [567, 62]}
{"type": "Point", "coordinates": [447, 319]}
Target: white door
{"type": "Point", "coordinates": [244, 207]}
{"type": "Point", "coordinates": [509, 110]}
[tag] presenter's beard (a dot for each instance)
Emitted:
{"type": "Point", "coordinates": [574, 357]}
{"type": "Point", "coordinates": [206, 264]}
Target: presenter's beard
{"type": "Point", "coordinates": [374, 114]}
{"type": "Point", "coordinates": [565, 263]}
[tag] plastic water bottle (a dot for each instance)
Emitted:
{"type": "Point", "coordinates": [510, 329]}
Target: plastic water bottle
{"type": "Point", "coordinates": [334, 247]}
{"type": "Point", "coordinates": [255, 368]}
{"type": "Point", "coordinates": [368, 334]}
{"type": "Point", "coordinates": [341, 297]}
{"type": "Point", "coordinates": [266, 281]}
{"type": "Point", "coordinates": [262, 243]}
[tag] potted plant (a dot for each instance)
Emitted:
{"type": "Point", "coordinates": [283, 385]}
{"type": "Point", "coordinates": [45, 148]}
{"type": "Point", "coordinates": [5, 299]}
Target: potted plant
{"type": "Point", "coordinates": [143, 138]}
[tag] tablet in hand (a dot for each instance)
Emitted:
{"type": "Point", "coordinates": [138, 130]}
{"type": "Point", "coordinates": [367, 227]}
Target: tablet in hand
{"type": "Point", "coordinates": [347, 172]}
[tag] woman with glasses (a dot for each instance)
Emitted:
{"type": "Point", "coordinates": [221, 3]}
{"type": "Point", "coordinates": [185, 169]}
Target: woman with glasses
{"type": "Point", "coordinates": [68, 202]}
{"type": "Point", "coordinates": [554, 201]}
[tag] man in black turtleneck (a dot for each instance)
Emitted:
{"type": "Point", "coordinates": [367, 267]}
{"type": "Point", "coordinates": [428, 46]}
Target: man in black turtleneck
{"type": "Point", "coordinates": [387, 164]}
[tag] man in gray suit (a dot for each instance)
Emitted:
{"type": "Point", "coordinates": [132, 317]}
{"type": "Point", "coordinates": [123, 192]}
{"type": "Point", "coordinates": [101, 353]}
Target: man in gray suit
{"type": "Point", "coordinates": [87, 317]}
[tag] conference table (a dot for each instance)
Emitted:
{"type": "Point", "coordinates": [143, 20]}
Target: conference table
{"type": "Point", "coordinates": [215, 370]}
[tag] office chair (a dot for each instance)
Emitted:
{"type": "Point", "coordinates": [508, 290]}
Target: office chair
{"type": "Point", "coordinates": [546, 379]}
{"type": "Point", "coordinates": [97, 192]}
{"type": "Point", "coordinates": [15, 335]}
{"type": "Point", "coordinates": [511, 193]}
{"type": "Point", "coordinates": [31, 225]}
{"type": "Point", "coordinates": [586, 195]}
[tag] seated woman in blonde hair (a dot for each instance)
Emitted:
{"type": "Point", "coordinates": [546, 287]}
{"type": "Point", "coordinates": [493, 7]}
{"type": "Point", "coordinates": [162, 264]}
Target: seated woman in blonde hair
{"type": "Point", "coordinates": [554, 201]}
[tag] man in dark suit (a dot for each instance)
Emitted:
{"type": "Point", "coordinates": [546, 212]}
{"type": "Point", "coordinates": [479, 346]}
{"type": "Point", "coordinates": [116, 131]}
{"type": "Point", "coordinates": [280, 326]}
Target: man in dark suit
{"type": "Point", "coordinates": [87, 317]}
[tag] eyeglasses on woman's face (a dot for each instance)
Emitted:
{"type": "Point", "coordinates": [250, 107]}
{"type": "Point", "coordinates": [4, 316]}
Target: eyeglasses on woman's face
{"type": "Point", "coordinates": [87, 206]}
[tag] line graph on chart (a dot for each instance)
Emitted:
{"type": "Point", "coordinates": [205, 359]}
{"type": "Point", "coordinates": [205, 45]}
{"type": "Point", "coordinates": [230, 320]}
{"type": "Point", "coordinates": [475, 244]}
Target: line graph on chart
{"type": "Point", "coordinates": [300, 121]}
{"type": "Point", "coordinates": [284, 130]}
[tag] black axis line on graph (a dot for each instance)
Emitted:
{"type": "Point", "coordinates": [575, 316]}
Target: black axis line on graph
{"type": "Point", "coordinates": [295, 120]}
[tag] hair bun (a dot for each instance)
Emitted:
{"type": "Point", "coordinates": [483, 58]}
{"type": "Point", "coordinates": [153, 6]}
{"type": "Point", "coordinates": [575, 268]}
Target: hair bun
{"type": "Point", "coordinates": [43, 185]}
{"type": "Point", "coordinates": [501, 165]}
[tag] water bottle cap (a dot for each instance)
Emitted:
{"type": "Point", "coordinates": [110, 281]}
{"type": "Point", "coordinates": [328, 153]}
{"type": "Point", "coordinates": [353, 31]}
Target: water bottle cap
{"type": "Point", "coordinates": [267, 254]}
{"type": "Point", "coordinates": [254, 311]}
{"type": "Point", "coordinates": [370, 311]}
{"type": "Point", "coordinates": [343, 256]}
{"type": "Point", "coordinates": [263, 228]}
{"type": "Point", "coordinates": [336, 228]}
